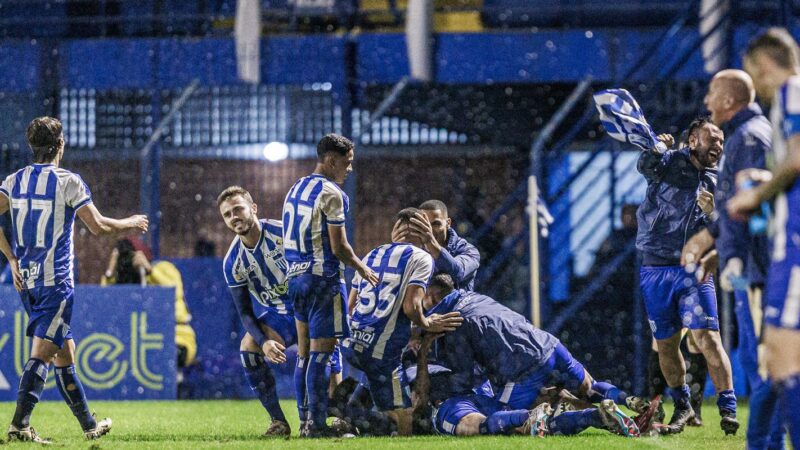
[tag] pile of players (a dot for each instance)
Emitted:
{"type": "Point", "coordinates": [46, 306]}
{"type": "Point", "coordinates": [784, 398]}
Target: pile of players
{"type": "Point", "coordinates": [434, 354]}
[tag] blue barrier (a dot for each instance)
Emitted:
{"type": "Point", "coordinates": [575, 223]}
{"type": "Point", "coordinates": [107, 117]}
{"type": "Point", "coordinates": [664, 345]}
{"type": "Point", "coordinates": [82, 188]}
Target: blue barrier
{"type": "Point", "coordinates": [125, 343]}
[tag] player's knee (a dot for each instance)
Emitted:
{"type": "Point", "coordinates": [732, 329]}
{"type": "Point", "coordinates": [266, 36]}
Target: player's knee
{"type": "Point", "coordinates": [249, 344]}
{"type": "Point", "coordinates": [470, 425]}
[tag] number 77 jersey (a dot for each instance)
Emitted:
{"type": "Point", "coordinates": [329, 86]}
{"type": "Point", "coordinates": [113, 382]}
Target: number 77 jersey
{"type": "Point", "coordinates": [379, 327]}
{"type": "Point", "coordinates": [43, 200]}
{"type": "Point", "coordinates": [313, 203]}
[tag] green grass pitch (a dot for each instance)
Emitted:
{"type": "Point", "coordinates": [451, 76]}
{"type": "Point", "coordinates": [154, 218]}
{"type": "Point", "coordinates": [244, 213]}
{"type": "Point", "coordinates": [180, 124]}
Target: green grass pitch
{"type": "Point", "coordinates": [239, 424]}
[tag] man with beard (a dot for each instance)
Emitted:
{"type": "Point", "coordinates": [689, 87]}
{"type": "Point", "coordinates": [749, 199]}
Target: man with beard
{"type": "Point", "coordinates": [679, 204]}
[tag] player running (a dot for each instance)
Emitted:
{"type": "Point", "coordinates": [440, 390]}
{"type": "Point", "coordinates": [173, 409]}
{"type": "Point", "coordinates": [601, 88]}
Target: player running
{"type": "Point", "coordinates": [517, 357]}
{"type": "Point", "coordinates": [382, 315]}
{"type": "Point", "coordinates": [44, 200]}
{"type": "Point", "coordinates": [773, 61]}
{"type": "Point", "coordinates": [255, 270]}
{"type": "Point", "coordinates": [316, 246]}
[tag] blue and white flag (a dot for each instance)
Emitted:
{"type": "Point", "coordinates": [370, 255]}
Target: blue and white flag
{"type": "Point", "coordinates": [624, 121]}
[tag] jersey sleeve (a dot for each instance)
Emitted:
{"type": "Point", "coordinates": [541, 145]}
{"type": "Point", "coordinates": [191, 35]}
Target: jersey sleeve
{"type": "Point", "coordinates": [76, 192]}
{"type": "Point", "coordinates": [6, 185]}
{"type": "Point", "coordinates": [332, 203]}
{"type": "Point", "coordinates": [234, 275]}
{"type": "Point", "coordinates": [791, 108]}
{"type": "Point", "coordinates": [420, 269]}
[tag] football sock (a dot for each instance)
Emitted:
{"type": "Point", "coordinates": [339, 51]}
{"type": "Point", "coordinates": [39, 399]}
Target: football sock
{"type": "Point", "coordinates": [300, 387]}
{"type": "Point", "coordinates": [573, 422]}
{"type": "Point", "coordinates": [72, 391]}
{"type": "Point", "coordinates": [317, 388]}
{"type": "Point", "coordinates": [31, 385]}
{"type": "Point", "coordinates": [607, 391]}
{"type": "Point", "coordinates": [727, 401]}
{"type": "Point", "coordinates": [657, 383]}
{"type": "Point", "coordinates": [262, 382]}
{"type": "Point", "coordinates": [764, 425]}
{"type": "Point", "coordinates": [789, 399]}
{"type": "Point", "coordinates": [696, 375]}
{"type": "Point", "coordinates": [503, 422]}
{"type": "Point", "coordinates": [680, 395]}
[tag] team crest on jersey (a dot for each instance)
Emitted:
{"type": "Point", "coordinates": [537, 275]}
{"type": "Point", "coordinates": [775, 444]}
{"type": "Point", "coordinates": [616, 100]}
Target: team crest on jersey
{"type": "Point", "coordinates": [240, 272]}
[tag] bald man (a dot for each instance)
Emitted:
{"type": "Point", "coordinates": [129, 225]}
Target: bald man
{"type": "Point", "coordinates": [744, 256]}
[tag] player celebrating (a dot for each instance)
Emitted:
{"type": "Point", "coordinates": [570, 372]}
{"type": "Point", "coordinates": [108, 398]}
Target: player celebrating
{"type": "Point", "coordinates": [517, 357]}
{"type": "Point", "coordinates": [678, 205]}
{"type": "Point", "coordinates": [317, 250]}
{"type": "Point", "coordinates": [381, 320]}
{"type": "Point", "coordinates": [255, 270]}
{"type": "Point", "coordinates": [44, 200]}
{"type": "Point", "coordinates": [773, 61]}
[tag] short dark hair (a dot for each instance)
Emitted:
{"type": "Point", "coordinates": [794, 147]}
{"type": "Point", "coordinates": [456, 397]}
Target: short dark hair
{"type": "Point", "coordinates": [778, 45]}
{"type": "Point", "coordinates": [333, 143]}
{"type": "Point", "coordinates": [44, 138]}
{"type": "Point", "coordinates": [126, 272]}
{"type": "Point", "coordinates": [434, 205]}
{"type": "Point", "coordinates": [405, 215]}
{"type": "Point", "coordinates": [442, 282]}
{"type": "Point", "coordinates": [233, 191]}
{"type": "Point", "coordinates": [697, 124]}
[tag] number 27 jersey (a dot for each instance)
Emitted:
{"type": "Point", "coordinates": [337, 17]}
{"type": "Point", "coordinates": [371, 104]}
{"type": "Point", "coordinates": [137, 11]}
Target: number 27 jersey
{"type": "Point", "coordinates": [43, 200]}
{"type": "Point", "coordinates": [379, 326]}
{"type": "Point", "coordinates": [313, 203]}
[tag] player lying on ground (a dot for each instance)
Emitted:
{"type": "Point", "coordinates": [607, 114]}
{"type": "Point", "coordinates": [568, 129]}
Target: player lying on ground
{"type": "Point", "coordinates": [44, 200]}
{"type": "Point", "coordinates": [382, 316]}
{"type": "Point", "coordinates": [316, 248]}
{"type": "Point", "coordinates": [517, 357]}
{"type": "Point", "coordinates": [255, 271]}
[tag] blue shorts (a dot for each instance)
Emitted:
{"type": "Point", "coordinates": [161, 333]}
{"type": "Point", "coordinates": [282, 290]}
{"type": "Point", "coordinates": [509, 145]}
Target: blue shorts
{"type": "Point", "coordinates": [561, 369]}
{"type": "Point", "coordinates": [386, 380]}
{"type": "Point", "coordinates": [49, 313]}
{"type": "Point", "coordinates": [321, 303]}
{"type": "Point", "coordinates": [674, 299]}
{"type": "Point", "coordinates": [447, 416]}
{"type": "Point", "coordinates": [335, 362]}
{"type": "Point", "coordinates": [283, 324]}
{"type": "Point", "coordinates": [783, 292]}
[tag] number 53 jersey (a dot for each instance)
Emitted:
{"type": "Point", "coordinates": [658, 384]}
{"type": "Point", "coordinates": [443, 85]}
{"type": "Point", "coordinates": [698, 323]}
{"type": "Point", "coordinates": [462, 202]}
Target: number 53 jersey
{"type": "Point", "coordinates": [43, 200]}
{"type": "Point", "coordinates": [379, 327]}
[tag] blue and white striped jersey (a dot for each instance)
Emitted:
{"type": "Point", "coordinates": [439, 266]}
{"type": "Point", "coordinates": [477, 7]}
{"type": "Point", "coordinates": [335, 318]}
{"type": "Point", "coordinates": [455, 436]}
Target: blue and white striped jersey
{"type": "Point", "coordinates": [378, 325]}
{"type": "Point", "coordinates": [785, 118]}
{"type": "Point", "coordinates": [313, 203]}
{"type": "Point", "coordinates": [262, 269]}
{"type": "Point", "coordinates": [43, 200]}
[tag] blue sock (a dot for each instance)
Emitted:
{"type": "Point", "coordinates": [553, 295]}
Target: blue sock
{"type": "Point", "coordinates": [503, 422]}
{"type": "Point", "coordinates": [573, 422]}
{"type": "Point", "coordinates": [680, 395]}
{"type": "Point", "coordinates": [262, 382]}
{"type": "Point", "coordinates": [300, 388]}
{"type": "Point", "coordinates": [72, 391]}
{"type": "Point", "coordinates": [31, 385]}
{"type": "Point", "coordinates": [607, 391]}
{"type": "Point", "coordinates": [764, 425]}
{"type": "Point", "coordinates": [790, 398]}
{"type": "Point", "coordinates": [727, 401]}
{"type": "Point", "coordinates": [317, 388]}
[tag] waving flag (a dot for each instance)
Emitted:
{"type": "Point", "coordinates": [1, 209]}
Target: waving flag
{"type": "Point", "coordinates": [624, 121]}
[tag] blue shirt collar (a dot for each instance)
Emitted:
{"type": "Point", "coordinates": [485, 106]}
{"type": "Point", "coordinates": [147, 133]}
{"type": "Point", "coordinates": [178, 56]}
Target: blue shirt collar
{"type": "Point", "coordinates": [446, 305]}
{"type": "Point", "coordinates": [741, 117]}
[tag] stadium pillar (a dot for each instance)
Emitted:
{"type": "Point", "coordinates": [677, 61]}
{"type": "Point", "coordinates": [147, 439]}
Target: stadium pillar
{"type": "Point", "coordinates": [347, 94]}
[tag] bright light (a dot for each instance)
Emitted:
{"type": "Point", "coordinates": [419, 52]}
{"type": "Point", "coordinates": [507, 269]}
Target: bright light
{"type": "Point", "coordinates": [276, 151]}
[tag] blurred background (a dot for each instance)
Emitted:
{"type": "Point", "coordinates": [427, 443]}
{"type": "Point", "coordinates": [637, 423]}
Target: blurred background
{"type": "Point", "coordinates": [457, 100]}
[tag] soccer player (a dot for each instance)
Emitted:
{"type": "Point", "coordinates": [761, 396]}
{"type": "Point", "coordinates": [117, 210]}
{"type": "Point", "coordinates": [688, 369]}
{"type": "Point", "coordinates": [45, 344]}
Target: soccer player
{"type": "Point", "coordinates": [381, 321]}
{"type": "Point", "coordinates": [255, 270]}
{"type": "Point", "coordinates": [678, 204]}
{"type": "Point", "coordinates": [44, 200]}
{"type": "Point", "coordinates": [773, 61]}
{"type": "Point", "coordinates": [451, 253]}
{"type": "Point", "coordinates": [316, 248]}
{"type": "Point", "coordinates": [743, 255]}
{"type": "Point", "coordinates": [517, 357]}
